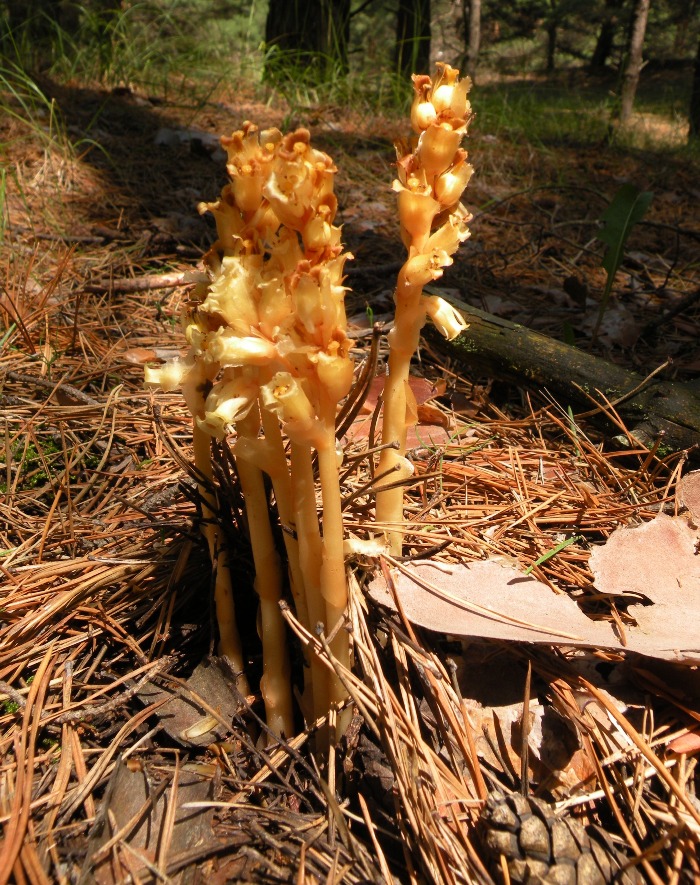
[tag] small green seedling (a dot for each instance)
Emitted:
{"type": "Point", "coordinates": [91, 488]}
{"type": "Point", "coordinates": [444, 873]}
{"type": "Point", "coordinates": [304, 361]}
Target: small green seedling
{"type": "Point", "coordinates": [628, 207]}
{"type": "Point", "coordinates": [553, 552]}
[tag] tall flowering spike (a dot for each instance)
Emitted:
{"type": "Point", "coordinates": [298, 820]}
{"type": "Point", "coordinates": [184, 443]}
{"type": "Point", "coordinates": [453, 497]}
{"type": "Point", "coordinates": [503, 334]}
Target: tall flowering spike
{"type": "Point", "coordinates": [432, 173]}
{"type": "Point", "coordinates": [269, 351]}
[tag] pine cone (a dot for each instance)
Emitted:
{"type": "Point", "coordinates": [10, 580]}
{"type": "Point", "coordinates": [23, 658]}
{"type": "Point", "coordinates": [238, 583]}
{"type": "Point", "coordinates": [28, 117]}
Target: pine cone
{"type": "Point", "coordinates": [540, 847]}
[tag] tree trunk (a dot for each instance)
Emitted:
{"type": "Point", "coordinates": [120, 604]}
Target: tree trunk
{"type": "Point", "coordinates": [654, 410]}
{"type": "Point", "coordinates": [412, 49]}
{"type": "Point", "coordinates": [606, 36]}
{"type": "Point", "coordinates": [633, 60]}
{"type": "Point", "coordinates": [694, 128]}
{"type": "Point", "coordinates": [683, 23]}
{"type": "Point", "coordinates": [471, 17]}
{"type": "Point", "coordinates": [309, 35]}
{"type": "Point", "coordinates": [552, 29]}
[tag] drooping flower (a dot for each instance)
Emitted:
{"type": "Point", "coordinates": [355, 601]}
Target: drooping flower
{"type": "Point", "coordinates": [448, 321]}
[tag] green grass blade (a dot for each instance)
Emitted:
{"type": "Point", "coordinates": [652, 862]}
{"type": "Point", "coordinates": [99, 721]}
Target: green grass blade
{"type": "Point", "coordinates": [553, 552]}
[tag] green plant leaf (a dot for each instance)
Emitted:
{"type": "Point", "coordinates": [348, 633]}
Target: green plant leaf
{"type": "Point", "coordinates": [628, 207]}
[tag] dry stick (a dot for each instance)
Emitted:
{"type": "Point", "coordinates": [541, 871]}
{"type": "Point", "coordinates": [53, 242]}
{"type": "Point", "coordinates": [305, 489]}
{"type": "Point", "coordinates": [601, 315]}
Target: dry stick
{"type": "Point", "coordinates": [310, 551]}
{"type": "Point", "coordinates": [357, 396]}
{"type": "Point", "coordinates": [138, 284]}
{"type": "Point", "coordinates": [275, 683]}
{"type": "Point", "coordinates": [229, 639]}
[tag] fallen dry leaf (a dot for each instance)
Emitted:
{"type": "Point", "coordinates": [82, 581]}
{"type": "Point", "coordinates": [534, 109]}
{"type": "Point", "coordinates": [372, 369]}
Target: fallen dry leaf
{"type": "Point", "coordinates": [431, 429]}
{"type": "Point", "coordinates": [428, 414]}
{"type": "Point", "coordinates": [183, 717]}
{"type": "Point", "coordinates": [491, 599]}
{"type": "Point", "coordinates": [656, 565]}
{"type": "Point", "coordinates": [141, 355]}
{"type": "Point", "coordinates": [688, 494]}
{"type": "Point", "coordinates": [688, 743]}
{"type": "Point", "coordinates": [136, 803]}
{"type": "Point", "coordinates": [422, 389]}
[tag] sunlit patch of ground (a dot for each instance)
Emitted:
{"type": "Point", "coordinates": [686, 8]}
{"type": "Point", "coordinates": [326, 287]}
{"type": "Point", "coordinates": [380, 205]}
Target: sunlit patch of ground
{"type": "Point", "coordinates": [658, 130]}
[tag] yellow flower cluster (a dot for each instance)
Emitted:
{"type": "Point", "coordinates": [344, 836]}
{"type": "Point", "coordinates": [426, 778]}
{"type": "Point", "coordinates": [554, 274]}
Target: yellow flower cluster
{"type": "Point", "coordinates": [269, 351]}
{"type": "Point", "coordinates": [432, 178]}
{"type": "Point", "coordinates": [432, 174]}
{"type": "Point", "coordinates": [268, 319]}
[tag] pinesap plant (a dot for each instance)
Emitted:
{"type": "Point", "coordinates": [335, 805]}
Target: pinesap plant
{"type": "Point", "coordinates": [269, 362]}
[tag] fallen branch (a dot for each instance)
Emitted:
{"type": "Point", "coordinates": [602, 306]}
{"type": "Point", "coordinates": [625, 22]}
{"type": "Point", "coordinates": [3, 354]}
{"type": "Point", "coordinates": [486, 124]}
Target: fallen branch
{"type": "Point", "coordinates": [138, 284]}
{"type": "Point", "coordinates": [656, 410]}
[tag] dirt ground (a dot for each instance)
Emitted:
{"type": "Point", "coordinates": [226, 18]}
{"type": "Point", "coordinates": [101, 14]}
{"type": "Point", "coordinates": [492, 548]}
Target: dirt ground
{"type": "Point", "coordinates": [105, 605]}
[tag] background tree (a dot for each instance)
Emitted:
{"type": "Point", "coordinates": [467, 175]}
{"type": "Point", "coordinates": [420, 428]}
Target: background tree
{"type": "Point", "coordinates": [471, 23]}
{"type": "Point", "coordinates": [552, 21]}
{"type": "Point", "coordinates": [609, 24]}
{"type": "Point", "coordinates": [307, 35]}
{"type": "Point", "coordinates": [46, 20]}
{"type": "Point", "coordinates": [694, 128]}
{"type": "Point", "coordinates": [412, 48]}
{"type": "Point", "coordinates": [633, 62]}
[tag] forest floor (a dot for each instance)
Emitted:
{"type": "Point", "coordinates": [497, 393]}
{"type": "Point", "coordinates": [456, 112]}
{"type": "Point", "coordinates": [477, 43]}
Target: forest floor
{"type": "Point", "coordinates": [104, 606]}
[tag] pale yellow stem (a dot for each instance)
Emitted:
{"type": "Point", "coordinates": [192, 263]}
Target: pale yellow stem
{"type": "Point", "coordinates": [275, 684]}
{"type": "Point", "coordinates": [403, 342]}
{"type": "Point", "coordinates": [310, 553]}
{"type": "Point", "coordinates": [282, 486]}
{"type": "Point", "coordinates": [229, 639]}
{"type": "Point", "coordinates": [333, 579]}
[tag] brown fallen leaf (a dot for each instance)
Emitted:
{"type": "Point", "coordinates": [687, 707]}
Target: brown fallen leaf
{"type": "Point", "coordinates": [422, 389]}
{"type": "Point", "coordinates": [136, 805]}
{"type": "Point", "coordinates": [184, 717]}
{"type": "Point", "coordinates": [688, 744]}
{"type": "Point", "coordinates": [430, 431]}
{"type": "Point", "coordinates": [656, 563]}
{"type": "Point", "coordinates": [428, 414]}
{"type": "Point", "coordinates": [688, 494]}
{"type": "Point", "coordinates": [491, 599]}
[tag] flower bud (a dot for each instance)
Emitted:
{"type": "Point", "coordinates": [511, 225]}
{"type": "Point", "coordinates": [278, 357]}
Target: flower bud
{"type": "Point", "coordinates": [227, 402]}
{"type": "Point", "coordinates": [196, 337]}
{"type": "Point", "coordinates": [422, 111]}
{"type": "Point", "coordinates": [318, 231]}
{"type": "Point", "coordinates": [450, 186]}
{"type": "Point", "coordinates": [437, 147]}
{"type": "Point", "coordinates": [446, 239]}
{"type": "Point", "coordinates": [335, 373]}
{"type": "Point", "coordinates": [459, 105]}
{"type": "Point", "coordinates": [232, 293]}
{"type": "Point", "coordinates": [229, 349]}
{"type": "Point", "coordinates": [448, 321]}
{"type": "Point", "coordinates": [168, 376]}
{"type": "Point", "coordinates": [444, 88]}
{"type": "Point", "coordinates": [247, 188]}
{"type": "Point", "coordinates": [423, 268]}
{"type": "Point", "coordinates": [449, 95]}
{"type": "Point", "coordinates": [284, 396]}
{"type": "Point", "coordinates": [275, 307]}
{"type": "Point", "coordinates": [417, 209]}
